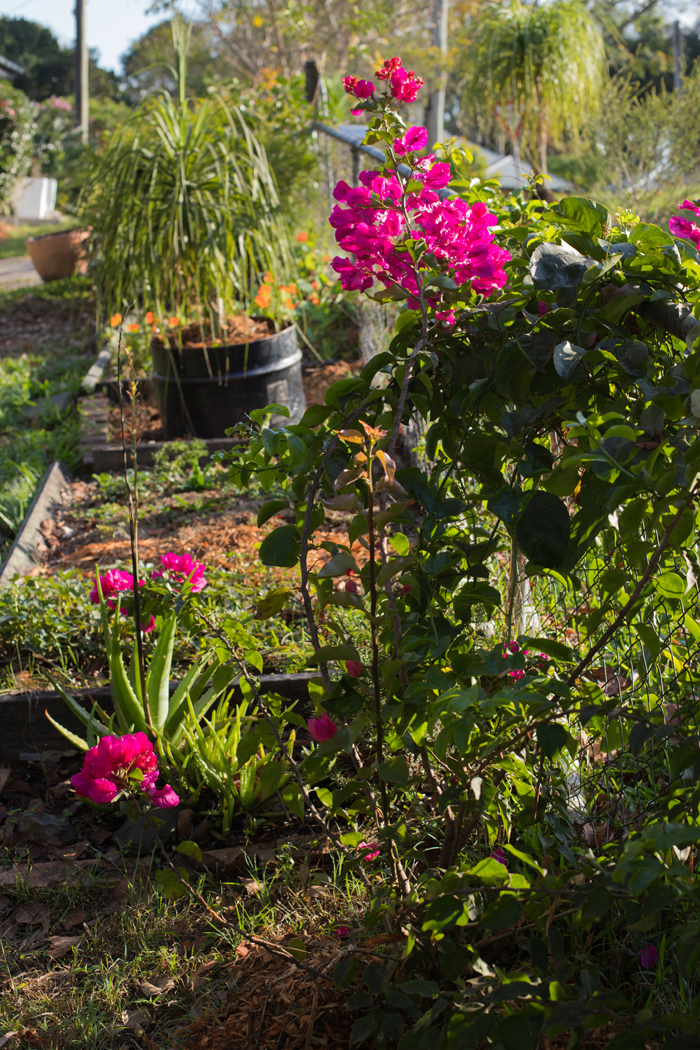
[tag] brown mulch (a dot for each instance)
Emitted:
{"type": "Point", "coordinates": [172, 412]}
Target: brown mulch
{"type": "Point", "coordinates": [278, 1006]}
{"type": "Point", "coordinates": [30, 326]}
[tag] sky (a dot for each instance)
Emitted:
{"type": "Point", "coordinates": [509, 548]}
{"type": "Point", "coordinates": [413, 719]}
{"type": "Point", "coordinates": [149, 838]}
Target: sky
{"type": "Point", "coordinates": [111, 24]}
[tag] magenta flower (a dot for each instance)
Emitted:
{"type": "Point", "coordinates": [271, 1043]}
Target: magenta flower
{"type": "Point", "coordinates": [456, 234]}
{"type": "Point", "coordinates": [500, 856]}
{"type": "Point", "coordinates": [371, 850]}
{"type": "Point", "coordinates": [343, 932]}
{"type": "Point", "coordinates": [122, 764]}
{"type": "Point", "coordinates": [183, 567]}
{"type": "Point", "coordinates": [414, 140]}
{"type": "Point", "coordinates": [684, 227]}
{"type": "Point", "coordinates": [353, 668]}
{"type": "Point", "coordinates": [648, 956]}
{"type": "Point", "coordinates": [114, 581]}
{"type": "Point", "coordinates": [322, 728]}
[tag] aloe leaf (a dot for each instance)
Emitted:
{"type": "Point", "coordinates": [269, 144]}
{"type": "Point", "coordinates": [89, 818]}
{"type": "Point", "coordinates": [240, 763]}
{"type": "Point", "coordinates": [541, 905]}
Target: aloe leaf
{"type": "Point", "coordinates": [75, 740]}
{"type": "Point", "coordinates": [130, 713]}
{"type": "Point", "coordinates": [158, 678]}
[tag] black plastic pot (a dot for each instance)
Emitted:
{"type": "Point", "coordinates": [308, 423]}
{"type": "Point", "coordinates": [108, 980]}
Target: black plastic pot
{"type": "Point", "coordinates": [205, 390]}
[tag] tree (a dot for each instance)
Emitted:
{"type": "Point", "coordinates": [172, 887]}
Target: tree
{"type": "Point", "coordinates": [536, 72]}
{"type": "Point", "coordinates": [48, 67]}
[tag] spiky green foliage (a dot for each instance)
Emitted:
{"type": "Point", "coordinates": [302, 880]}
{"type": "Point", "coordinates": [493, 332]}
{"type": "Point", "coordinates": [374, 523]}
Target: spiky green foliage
{"type": "Point", "coordinates": [185, 209]}
{"type": "Point", "coordinates": [535, 72]}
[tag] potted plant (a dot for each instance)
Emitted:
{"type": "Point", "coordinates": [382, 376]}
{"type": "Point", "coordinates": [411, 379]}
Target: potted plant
{"type": "Point", "coordinates": [187, 223]}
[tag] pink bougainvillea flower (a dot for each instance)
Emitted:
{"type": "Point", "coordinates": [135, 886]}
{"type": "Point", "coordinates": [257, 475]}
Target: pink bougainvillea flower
{"type": "Point", "coordinates": [182, 567]}
{"type": "Point", "coordinates": [500, 856]}
{"type": "Point", "coordinates": [370, 850]}
{"type": "Point", "coordinates": [322, 728]}
{"type": "Point", "coordinates": [343, 932]}
{"type": "Point", "coordinates": [405, 85]}
{"type": "Point", "coordinates": [351, 587]}
{"type": "Point", "coordinates": [108, 770]}
{"type": "Point", "coordinates": [648, 956]}
{"type": "Point", "coordinates": [390, 65]}
{"type": "Point", "coordinates": [684, 227]}
{"type": "Point", "coordinates": [361, 89]}
{"type": "Point", "coordinates": [415, 139]}
{"type": "Point", "coordinates": [164, 798]}
{"type": "Point", "coordinates": [542, 307]}
{"type": "Point", "coordinates": [354, 668]}
{"type": "Point", "coordinates": [112, 582]}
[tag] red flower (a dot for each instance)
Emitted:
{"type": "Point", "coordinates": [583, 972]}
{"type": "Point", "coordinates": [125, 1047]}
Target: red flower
{"type": "Point", "coordinates": [322, 728]}
{"type": "Point", "coordinates": [353, 668]}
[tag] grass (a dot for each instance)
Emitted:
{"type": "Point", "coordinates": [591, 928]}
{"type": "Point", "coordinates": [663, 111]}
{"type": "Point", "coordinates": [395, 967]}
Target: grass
{"type": "Point", "coordinates": [13, 239]}
{"type": "Point", "coordinates": [88, 999]}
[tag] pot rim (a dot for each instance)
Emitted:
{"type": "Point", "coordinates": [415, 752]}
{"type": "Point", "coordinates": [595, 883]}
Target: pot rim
{"type": "Point", "coordinates": [59, 233]}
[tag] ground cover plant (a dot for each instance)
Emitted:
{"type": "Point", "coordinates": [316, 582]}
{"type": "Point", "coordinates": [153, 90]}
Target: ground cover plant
{"type": "Point", "coordinates": [500, 748]}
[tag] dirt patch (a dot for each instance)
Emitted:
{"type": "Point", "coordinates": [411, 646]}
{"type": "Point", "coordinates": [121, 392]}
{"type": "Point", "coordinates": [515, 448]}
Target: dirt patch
{"type": "Point", "coordinates": [318, 378]}
{"type": "Point", "coordinates": [31, 326]}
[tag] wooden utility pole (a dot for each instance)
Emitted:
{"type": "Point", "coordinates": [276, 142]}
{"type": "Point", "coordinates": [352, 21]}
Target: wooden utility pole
{"type": "Point", "coordinates": [81, 72]}
{"type": "Point", "coordinates": [436, 106]}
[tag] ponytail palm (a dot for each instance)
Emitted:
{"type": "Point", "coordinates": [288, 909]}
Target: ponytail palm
{"type": "Point", "coordinates": [537, 72]}
{"type": "Point", "coordinates": [185, 210]}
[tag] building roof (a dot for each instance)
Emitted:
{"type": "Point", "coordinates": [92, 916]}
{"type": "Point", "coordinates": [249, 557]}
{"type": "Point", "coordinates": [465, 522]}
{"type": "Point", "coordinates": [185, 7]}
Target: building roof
{"type": "Point", "coordinates": [8, 68]}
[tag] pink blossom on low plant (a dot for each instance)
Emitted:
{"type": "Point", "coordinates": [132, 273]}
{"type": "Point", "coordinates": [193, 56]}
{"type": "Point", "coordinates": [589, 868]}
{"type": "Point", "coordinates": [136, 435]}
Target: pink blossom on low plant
{"type": "Point", "coordinates": [500, 856]}
{"type": "Point", "coordinates": [182, 567]}
{"type": "Point", "coordinates": [343, 932]}
{"type": "Point", "coordinates": [322, 728]}
{"type": "Point", "coordinates": [122, 764]}
{"type": "Point", "coordinates": [353, 668]}
{"type": "Point", "coordinates": [648, 956]}
{"type": "Point", "coordinates": [112, 582]}
{"type": "Point", "coordinates": [370, 850]}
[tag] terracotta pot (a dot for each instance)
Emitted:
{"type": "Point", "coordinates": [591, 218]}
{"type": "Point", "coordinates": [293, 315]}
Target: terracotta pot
{"type": "Point", "coordinates": [59, 254]}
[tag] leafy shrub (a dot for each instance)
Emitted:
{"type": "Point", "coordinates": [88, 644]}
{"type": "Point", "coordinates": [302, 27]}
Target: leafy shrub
{"type": "Point", "coordinates": [17, 129]}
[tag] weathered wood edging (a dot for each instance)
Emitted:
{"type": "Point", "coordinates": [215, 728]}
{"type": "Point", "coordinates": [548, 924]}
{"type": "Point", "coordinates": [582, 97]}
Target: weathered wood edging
{"type": "Point", "coordinates": [25, 727]}
{"type": "Point", "coordinates": [22, 557]}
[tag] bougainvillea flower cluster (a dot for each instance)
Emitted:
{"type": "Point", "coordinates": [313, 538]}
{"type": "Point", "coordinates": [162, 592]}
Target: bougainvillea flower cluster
{"type": "Point", "coordinates": [684, 227]}
{"type": "Point", "coordinates": [122, 764]}
{"type": "Point", "coordinates": [322, 728]}
{"type": "Point", "coordinates": [376, 221]}
{"type": "Point", "coordinates": [182, 567]}
{"type": "Point", "coordinates": [404, 85]}
{"type": "Point", "coordinates": [539, 658]}
{"type": "Point", "coordinates": [117, 581]}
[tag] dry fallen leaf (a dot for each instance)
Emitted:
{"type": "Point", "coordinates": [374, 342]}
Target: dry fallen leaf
{"type": "Point", "coordinates": [6, 1037]}
{"type": "Point", "coordinates": [135, 1019]}
{"type": "Point", "coordinates": [74, 918]}
{"type": "Point", "coordinates": [4, 777]}
{"type": "Point", "coordinates": [60, 946]}
{"type": "Point", "coordinates": [5, 902]}
{"type": "Point", "coordinates": [204, 967]}
{"type": "Point", "coordinates": [158, 986]}
{"type": "Point", "coordinates": [251, 886]}
{"type": "Point", "coordinates": [33, 914]}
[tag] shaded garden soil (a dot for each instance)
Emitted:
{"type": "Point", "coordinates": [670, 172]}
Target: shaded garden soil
{"type": "Point", "coordinates": [31, 325]}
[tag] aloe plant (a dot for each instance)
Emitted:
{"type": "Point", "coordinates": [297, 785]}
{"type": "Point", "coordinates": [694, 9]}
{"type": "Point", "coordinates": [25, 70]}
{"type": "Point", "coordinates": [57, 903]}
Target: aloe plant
{"type": "Point", "coordinates": [185, 209]}
{"type": "Point", "coordinates": [158, 713]}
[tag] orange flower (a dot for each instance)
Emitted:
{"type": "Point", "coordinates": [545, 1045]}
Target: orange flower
{"type": "Point", "coordinates": [173, 322]}
{"type": "Point", "coordinates": [133, 328]}
{"type": "Point", "coordinates": [326, 258]}
{"type": "Point", "coordinates": [115, 320]}
{"type": "Point", "coordinates": [149, 318]}
{"type": "Point", "coordinates": [264, 296]}
{"type": "Point", "coordinates": [315, 300]}
{"type": "Point", "coordinates": [315, 285]}
{"type": "Point", "coordinates": [267, 278]}
{"type": "Point", "coordinates": [287, 302]}
{"type": "Point", "coordinates": [303, 237]}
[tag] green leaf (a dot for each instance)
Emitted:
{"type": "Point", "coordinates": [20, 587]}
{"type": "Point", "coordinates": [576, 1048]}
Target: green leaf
{"type": "Point", "coordinates": [172, 886]}
{"type": "Point", "coordinates": [554, 267]}
{"type": "Point", "coordinates": [364, 1027]}
{"type": "Point", "coordinates": [551, 737]}
{"type": "Point", "coordinates": [579, 213]}
{"type": "Point", "coordinates": [273, 602]}
{"type": "Point", "coordinates": [297, 948]}
{"type": "Point", "coordinates": [71, 737]}
{"type": "Point", "coordinates": [158, 678]}
{"type": "Point", "coordinates": [281, 547]}
{"type": "Point", "coordinates": [490, 872]}
{"type": "Point", "coordinates": [557, 650]}
{"type": "Point", "coordinates": [566, 358]}
{"type": "Point", "coordinates": [395, 772]}
{"type": "Point", "coordinates": [269, 509]}
{"type": "Point", "coordinates": [315, 415]}
{"type": "Point", "coordinates": [544, 530]}
{"type": "Point", "coordinates": [270, 779]}
{"type": "Point", "coordinates": [190, 849]}
{"type": "Point", "coordinates": [338, 565]}
{"type": "Point", "coordinates": [342, 388]}
{"type": "Point", "coordinates": [504, 912]}
{"type": "Point", "coordinates": [333, 652]}
{"type": "Point", "coordinates": [670, 585]}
